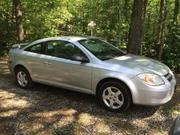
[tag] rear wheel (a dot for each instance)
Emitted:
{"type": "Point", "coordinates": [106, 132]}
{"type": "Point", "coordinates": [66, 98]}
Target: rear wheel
{"type": "Point", "coordinates": [23, 78]}
{"type": "Point", "coordinates": [114, 96]}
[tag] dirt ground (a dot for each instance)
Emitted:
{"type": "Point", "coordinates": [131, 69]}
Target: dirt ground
{"type": "Point", "coordinates": [46, 110]}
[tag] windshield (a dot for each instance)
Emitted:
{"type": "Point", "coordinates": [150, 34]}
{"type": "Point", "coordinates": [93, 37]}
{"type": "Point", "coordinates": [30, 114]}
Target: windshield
{"type": "Point", "coordinates": [101, 49]}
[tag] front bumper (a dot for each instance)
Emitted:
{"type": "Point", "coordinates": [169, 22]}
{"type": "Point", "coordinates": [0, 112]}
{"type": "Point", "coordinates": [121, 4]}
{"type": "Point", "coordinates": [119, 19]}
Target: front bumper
{"type": "Point", "coordinates": [153, 95]}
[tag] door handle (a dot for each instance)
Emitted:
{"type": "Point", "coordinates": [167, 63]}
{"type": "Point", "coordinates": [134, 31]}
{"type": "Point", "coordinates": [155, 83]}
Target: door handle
{"type": "Point", "coordinates": [46, 62]}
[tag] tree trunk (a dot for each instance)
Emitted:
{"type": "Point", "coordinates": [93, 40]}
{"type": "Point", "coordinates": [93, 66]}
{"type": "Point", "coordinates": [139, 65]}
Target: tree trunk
{"type": "Point", "coordinates": [161, 29]}
{"type": "Point", "coordinates": [136, 28]}
{"type": "Point", "coordinates": [144, 17]}
{"type": "Point", "coordinates": [126, 16]}
{"type": "Point", "coordinates": [18, 16]}
{"type": "Point", "coordinates": [176, 11]}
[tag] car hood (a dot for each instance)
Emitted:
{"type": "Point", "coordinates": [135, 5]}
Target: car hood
{"type": "Point", "coordinates": [134, 64]}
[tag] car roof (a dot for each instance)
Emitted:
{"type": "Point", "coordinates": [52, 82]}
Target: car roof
{"type": "Point", "coordinates": [66, 38]}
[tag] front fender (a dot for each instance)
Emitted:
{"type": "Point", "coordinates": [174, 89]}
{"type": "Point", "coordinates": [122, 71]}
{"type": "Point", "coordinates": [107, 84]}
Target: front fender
{"type": "Point", "coordinates": [126, 79]}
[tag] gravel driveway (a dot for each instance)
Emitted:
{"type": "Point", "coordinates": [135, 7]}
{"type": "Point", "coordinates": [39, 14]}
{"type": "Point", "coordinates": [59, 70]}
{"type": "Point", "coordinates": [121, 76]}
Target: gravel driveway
{"type": "Point", "coordinates": [48, 110]}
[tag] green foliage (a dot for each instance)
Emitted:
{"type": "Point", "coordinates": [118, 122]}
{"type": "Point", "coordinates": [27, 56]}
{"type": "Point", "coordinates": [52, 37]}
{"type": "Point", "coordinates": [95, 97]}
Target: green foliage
{"type": "Point", "coordinates": [70, 17]}
{"type": "Point", "coordinates": [172, 49]}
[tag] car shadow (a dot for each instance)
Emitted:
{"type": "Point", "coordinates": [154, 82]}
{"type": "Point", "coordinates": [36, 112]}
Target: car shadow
{"type": "Point", "coordinates": [88, 103]}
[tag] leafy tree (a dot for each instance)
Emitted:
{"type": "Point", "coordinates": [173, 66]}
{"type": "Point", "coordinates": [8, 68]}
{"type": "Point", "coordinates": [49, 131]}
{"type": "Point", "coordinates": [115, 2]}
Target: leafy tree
{"type": "Point", "coordinates": [136, 27]}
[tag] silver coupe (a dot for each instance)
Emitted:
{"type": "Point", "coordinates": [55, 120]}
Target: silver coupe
{"type": "Point", "coordinates": [93, 66]}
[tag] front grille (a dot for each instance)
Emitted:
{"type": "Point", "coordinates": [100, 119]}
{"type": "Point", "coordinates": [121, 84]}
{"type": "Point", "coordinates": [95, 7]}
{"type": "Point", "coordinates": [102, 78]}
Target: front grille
{"type": "Point", "coordinates": [168, 76]}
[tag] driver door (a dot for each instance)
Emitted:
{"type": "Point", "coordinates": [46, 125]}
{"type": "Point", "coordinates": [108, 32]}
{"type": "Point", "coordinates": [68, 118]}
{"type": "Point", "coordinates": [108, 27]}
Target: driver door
{"type": "Point", "coordinates": [63, 67]}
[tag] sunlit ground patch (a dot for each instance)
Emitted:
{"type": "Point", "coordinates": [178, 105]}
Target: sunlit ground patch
{"type": "Point", "coordinates": [11, 100]}
{"type": "Point", "coordinates": [85, 119]}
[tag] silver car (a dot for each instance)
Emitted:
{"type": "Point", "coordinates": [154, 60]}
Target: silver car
{"type": "Point", "coordinates": [93, 66]}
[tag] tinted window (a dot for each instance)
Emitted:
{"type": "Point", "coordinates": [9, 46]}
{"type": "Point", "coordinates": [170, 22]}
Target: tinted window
{"type": "Point", "coordinates": [35, 48]}
{"type": "Point", "coordinates": [63, 49]}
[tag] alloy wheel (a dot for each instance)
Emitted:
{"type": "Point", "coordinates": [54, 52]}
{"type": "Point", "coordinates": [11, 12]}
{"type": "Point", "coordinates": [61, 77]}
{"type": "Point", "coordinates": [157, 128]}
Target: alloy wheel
{"type": "Point", "coordinates": [22, 79]}
{"type": "Point", "coordinates": [113, 97]}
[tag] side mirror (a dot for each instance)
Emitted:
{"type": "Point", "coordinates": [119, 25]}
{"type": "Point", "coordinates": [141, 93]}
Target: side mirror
{"type": "Point", "coordinates": [81, 59]}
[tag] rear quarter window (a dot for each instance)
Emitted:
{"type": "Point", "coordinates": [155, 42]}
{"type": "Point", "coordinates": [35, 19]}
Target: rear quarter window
{"type": "Point", "coordinates": [35, 49]}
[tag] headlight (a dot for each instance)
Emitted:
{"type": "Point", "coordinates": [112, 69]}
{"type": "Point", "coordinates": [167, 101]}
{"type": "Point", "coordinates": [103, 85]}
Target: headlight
{"type": "Point", "coordinates": [151, 79]}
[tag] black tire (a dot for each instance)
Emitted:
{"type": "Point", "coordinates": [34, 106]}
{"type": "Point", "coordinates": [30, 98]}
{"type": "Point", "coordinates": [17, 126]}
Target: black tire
{"type": "Point", "coordinates": [127, 100]}
{"type": "Point", "coordinates": [27, 76]}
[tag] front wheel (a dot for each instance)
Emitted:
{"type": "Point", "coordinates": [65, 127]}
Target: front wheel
{"type": "Point", "coordinates": [23, 78]}
{"type": "Point", "coordinates": [114, 96]}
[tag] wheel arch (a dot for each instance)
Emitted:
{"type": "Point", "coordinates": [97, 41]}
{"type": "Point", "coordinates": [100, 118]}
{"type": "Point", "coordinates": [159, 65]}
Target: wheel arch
{"type": "Point", "coordinates": [104, 80]}
{"type": "Point", "coordinates": [19, 66]}
{"type": "Point", "coordinates": [29, 80]}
